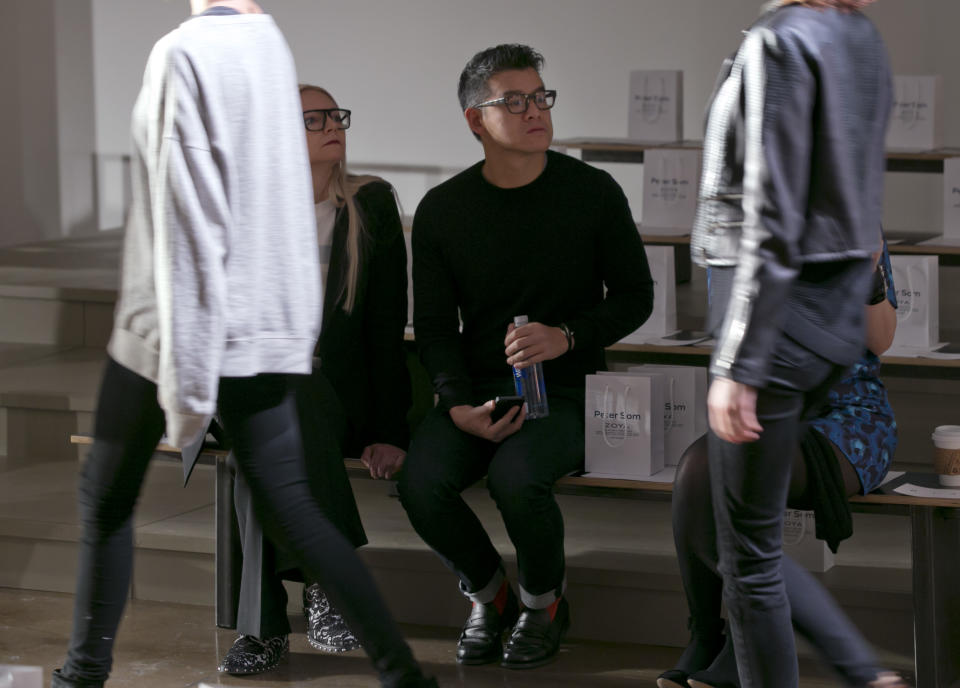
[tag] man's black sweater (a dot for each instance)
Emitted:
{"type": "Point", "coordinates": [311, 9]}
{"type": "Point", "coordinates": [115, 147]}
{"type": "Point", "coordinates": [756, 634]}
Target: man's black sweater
{"type": "Point", "coordinates": [544, 250]}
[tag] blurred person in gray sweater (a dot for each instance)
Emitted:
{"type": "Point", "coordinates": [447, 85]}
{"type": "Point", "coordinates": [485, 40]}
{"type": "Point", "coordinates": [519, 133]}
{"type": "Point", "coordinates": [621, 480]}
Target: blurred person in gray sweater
{"type": "Point", "coordinates": [219, 311]}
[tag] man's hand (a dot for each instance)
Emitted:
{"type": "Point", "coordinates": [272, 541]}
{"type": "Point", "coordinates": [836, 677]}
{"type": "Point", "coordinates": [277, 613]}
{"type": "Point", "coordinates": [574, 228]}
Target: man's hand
{"type": "Point", "coordinates": [733, 411]}
{"type": "Point", "coordinates": [532, 343]}
{"type": "Point", "coordinates": [476, 421]}
{"type": "Point", "coordinates": [383, 460]}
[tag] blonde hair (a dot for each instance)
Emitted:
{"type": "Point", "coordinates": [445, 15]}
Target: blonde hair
{"type": "Point", "coordinates": [343, 188]}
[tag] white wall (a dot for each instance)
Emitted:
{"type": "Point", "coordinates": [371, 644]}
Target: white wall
{"type": "Point", "coordinates": [395, 63]}
{"type": "Point", "coordinates": [28, 152]}
{"type": "Point", "coordinates": [47, 122]}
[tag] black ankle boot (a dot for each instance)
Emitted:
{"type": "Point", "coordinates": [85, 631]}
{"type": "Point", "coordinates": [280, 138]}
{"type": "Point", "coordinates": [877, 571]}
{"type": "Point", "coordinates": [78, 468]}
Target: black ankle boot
{"type": "Point", "coordinates": [59, 680]}
{"type": "Point", "coordinates": [722, 672]}
{"type": "Point", "coordinates": [481, 640]}
{"type": "Point", "coordinates": [705, 644]}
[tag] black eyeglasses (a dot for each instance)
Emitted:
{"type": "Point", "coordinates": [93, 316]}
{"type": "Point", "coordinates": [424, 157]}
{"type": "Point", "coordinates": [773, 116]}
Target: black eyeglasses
{"type": "Point", "coordinates": [518, 103]}
{"type": "Point", "coordinates": [316, 120]}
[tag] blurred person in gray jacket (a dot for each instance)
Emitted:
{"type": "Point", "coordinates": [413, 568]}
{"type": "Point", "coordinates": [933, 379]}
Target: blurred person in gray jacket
{"type": "Point", "coordinates": [788, 223]}
{"type": "Point", "coordinates": [219, 310]}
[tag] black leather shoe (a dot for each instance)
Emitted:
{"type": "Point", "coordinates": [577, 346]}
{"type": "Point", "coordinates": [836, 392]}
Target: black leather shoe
{"type": "Point", "coordinates": [481, 640]}
{"type": "Point", "coordinates": [535, 640]}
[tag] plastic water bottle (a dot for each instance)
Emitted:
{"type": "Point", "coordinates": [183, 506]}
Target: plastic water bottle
{"type": "Point", "coordinates": [529, 383]}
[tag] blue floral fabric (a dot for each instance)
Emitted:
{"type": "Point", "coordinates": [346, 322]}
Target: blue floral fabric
{"type": "Point", "coordinates": [857, 417]}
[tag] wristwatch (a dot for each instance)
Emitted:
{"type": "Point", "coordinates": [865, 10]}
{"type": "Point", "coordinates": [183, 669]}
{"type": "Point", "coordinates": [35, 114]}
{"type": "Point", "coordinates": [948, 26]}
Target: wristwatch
{"type": "Point", "coordinates": [568, 333]}
{"type": "Point", "coordinates": [879, 293]}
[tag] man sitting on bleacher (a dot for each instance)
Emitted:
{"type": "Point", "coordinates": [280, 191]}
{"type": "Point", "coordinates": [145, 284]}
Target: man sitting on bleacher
{"type": "Point", "coordinates": [526, 231]}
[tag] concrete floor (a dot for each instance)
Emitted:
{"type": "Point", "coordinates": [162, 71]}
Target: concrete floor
{"type": "Point", "coordinates": [170, 646]}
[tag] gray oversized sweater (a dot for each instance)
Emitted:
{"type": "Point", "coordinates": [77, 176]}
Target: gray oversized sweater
{"type": "Point", "coordinates": [220, 267]}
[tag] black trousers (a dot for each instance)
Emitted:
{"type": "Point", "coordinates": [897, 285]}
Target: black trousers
{"type": "Point", "coordinates": [749, 485]}
{"type": "Point", "coordinates": [443, 461]}
{"type": "Point", "coordinates": [815, 615]}
{"type": "Point", "coordinates": [263, 599]}
{"type": "Point", "coordinates": [259, 416]}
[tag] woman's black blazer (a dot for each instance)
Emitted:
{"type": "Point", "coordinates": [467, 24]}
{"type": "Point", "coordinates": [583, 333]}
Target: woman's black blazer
{"type": "Point", "coordinates": [362, 353]}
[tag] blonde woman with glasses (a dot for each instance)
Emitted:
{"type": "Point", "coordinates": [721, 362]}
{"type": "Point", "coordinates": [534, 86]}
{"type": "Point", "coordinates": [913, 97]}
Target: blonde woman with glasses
{"type": "Point", "coordinates": [355, 402]}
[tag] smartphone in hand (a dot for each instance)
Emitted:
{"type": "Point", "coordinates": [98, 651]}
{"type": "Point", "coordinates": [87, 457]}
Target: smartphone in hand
{"type": "Point", "coordinates": [503, 404]}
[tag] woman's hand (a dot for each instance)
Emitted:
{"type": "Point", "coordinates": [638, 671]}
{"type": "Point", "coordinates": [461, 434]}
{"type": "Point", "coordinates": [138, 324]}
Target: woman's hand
{"type": "Point", "coordinates": [475, 420]}
{"type": "Point", "coordinates": [732, 407]}
{"type": "Point", "coordinates": [383, 460]}
{"type": "Point", "coordinates": [532, 343]}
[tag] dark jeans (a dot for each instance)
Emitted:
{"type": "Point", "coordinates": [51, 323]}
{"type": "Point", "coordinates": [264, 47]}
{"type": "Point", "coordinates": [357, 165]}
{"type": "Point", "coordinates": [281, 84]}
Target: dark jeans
{"type": "Point", "coordinates": [259, 416]}
{"type": "Point", "coordinates": [443, 461]}
{"type": "Point", "coordinates": [815, 614]}
{"type": "Point", "coordinates": [749, 484]}
{"type": "Point", "coordinates": [262, 608]}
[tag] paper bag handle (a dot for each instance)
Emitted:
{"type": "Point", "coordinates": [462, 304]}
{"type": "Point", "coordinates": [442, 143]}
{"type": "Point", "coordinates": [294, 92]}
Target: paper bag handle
{"type": "Point", "coordinates": [603, 432]}
{"type": "Point", "coordinates": [909, 121]}
{"type": "Point", "coordinates": [668, 417]}
{"type": "Point", "coordinates": [903, 314]}
{"type": "Point", "coordinates": [657, 111]}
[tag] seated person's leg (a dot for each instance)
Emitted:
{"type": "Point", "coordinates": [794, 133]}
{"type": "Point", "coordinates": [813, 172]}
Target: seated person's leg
{"type": "Point", "coordinates": [694, 537]}
{"type": "Point", "coordinates": [262, 611]}
{"type": "Point", "coordinates": [323, 425]}
{"type": "Point", "coordinates": [521, 479]}
{"type": "Point", "coordinates": [262, 615]}
{"type": "Point", "coordinates": [260, 417]}
{"type": "Point", "coordinates": [442, 462]}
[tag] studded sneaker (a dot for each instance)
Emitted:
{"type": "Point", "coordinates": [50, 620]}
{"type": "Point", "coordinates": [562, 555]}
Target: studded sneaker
{"type": "Point", "coordinates": [327, 631]}
{"type": "Point", "coordinates": [250, 655]}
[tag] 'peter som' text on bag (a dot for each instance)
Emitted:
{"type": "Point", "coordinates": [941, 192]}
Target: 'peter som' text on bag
{"type": "Point", "coordinates": [656, 105]}
{"type": "Point", "coordinates": [916, 120]}
{"type": "Point", "coordinates": [624, 426]}
{"type": "Point", "coordinates": [670, 178]}
{"type": "Point", "coordinates": [917, 279]}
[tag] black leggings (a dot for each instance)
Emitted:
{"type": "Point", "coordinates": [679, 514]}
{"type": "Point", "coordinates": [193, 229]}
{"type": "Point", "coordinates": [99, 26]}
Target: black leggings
{"type": "Point", "coordinates": [694, 534]}
{"type": "Point", "coordinates": [259, 415]}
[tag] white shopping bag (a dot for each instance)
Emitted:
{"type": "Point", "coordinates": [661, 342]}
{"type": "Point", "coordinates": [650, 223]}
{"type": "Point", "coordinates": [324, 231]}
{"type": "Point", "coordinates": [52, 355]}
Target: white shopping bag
{"type": "Point", "coordinates": [14, 676]}
{"type": "Point", "coordinates": [670, 178]}
{"type": "Point", "coordinates": [656, 105]}
{"type": "Point", "coordinates": [684, 407]}
{"type": "Point", "coordinates": [916, 121]}
{"type": "Point", "coordinates": [917, 279]}
{"type": "Point", "coordinates": [663, 319]}
{"type": "Point", "coordinates": [951, 198]}
{"type": "Point", "coordinates": [624, 426]}
{"type": "Point", "coordinates": [800, 541]}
